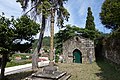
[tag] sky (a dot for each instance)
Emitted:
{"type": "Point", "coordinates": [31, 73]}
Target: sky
{"type": "Point", "coordinates": [76, 8]}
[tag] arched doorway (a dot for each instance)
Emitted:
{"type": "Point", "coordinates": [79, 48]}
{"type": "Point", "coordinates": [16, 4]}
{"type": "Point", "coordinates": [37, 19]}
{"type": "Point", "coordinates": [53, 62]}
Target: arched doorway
{"type": "Point", "coordinates": [77, 56]}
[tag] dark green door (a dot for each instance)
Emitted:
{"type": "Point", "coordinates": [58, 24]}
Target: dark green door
{"type": "Point", "coordinates": [77, 56]}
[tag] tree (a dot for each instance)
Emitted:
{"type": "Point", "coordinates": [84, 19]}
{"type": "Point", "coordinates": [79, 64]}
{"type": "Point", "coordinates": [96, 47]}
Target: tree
{"type": "Point", "coordinates": [110, 14]}
{"type": "Point", "coordinates": [43, 7]}
{"type": "Point", "coordinates": [25, 28]}
{"type": "Point", "coordinates": [90, 25]}
{"type": "Point", "coordinates": [6, 39]}
{"type": "Point", "coordinates": [64, 35]}
{"type": "Point", "coordinates": [71, 31]}
{"type": "Point", "coordinates": [12, 31]}
{"type": "Point", "coordinates": [38, 7]}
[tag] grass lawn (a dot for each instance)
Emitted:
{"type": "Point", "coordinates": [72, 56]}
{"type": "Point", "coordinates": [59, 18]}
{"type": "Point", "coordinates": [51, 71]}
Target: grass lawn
{"type": "Point", "coordinates": [95, 71]}
{"type": "Point", "coordinates": [22, 61]}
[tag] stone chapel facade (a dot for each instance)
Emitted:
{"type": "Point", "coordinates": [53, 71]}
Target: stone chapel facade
{"type": "Point", "coordinates": [78, 50]}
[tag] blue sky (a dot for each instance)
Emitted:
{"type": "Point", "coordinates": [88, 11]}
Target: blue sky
{"type": "Point", "coordinates": [76, 8]}
{"type": "Point", "coordinates": [78, 11]}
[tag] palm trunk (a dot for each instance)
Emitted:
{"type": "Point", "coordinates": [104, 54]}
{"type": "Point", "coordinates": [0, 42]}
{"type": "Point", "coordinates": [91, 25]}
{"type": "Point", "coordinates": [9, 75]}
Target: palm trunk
{"type": "Point", "coordinates": [36, 52]}
{"type": "Point", "coordinates": [3, 64]}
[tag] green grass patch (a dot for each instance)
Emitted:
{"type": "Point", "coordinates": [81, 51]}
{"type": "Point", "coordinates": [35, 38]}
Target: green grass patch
{"type": "Point", "coordinates": [16, 63]}
{"type": "Point", "coordinates": [23, 56]}
{"type": "Point", "coordinates": [109, 71]}
{"type": "Point", "coordinates": [101, 70]}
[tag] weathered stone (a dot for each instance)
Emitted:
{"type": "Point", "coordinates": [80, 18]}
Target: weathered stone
{"type": "Point", "coordinates": [56, 75]}
{"type": "Point", "coordinates": [49, 73]}
{"type": "Point", "coordinates": [49, 69]}
{"type": "Point", "coordinates": [111, 50]}
{"type": "Point", "coordinates": [84, 45]}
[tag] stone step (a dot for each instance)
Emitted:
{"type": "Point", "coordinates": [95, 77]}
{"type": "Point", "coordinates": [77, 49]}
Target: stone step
{"type": "Point", "coordinates": [56, 76]}
{"type": "Point", "coordinates": [65, 77]}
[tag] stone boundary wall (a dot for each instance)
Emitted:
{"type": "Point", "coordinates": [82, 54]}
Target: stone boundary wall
{"type": "Point", "coordinates": [111, 50]}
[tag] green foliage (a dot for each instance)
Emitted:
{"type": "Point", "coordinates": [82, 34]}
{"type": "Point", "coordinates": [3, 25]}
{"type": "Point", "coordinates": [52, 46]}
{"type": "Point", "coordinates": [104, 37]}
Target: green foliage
{"type": "Point", "coordinates": [16, 63]}
{"type": "Point", "coordinates": [46, 44]}
{"type": "Point", "coordinates": [110, 14]}
{"type": "Point", "coordinates": [62, 36]}
{"type": "Point", "coordinates": [110, 17]}
{"type": "Point", "coordinates": [109, 42]}
{"type": "Point", "coordinates": [25, 28]}
{"type": "Point", "coordinates": [46, 41]}
{"type": "Point", "coordinates": [71, 31]}
{"type": "Point", "coordinates": [63, 14]}
{"type": "Point", "coordinates": [46, 49]}
{"type": "Point", "coordinates": [113, 41]}
{"type": "Point", "coordinates": [44, 6]}
{"type": "Point", "coordinates": [6, 35]}
{"type": "Point", "coordinates": [57, 53]}
{"type": "Point", "coordinates": [22, 47]}
{"type": "Point", "coordinates": [34, 45]}
{"type": "Point", "coordinates": [90, 25]}
{"type": "Point", "coordinates": [23, 56]}
{"type": "Point", "coordinates": [56, 58]}
{"type": "Point", "coordinates": [6, 40]}
{"type": "Point", "coordinates": [12, 32]}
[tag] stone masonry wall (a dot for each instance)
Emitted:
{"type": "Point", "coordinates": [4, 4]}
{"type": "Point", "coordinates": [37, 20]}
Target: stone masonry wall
{"type": "Point", "coordinates": [112, 50]}
{"type": "Point", "coordinates": [86, 46]}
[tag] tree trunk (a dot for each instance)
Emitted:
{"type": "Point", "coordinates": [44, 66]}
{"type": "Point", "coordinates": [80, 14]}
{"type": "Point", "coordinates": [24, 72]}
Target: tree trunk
{"type": "Point", "coordinates": [34, 60]}
{"type": "Point", "coordinates": [3, 64]}
{"type": "Point", "coordinates": [41, 33]}
{"type": "Point", "coordinates": [36, 52]}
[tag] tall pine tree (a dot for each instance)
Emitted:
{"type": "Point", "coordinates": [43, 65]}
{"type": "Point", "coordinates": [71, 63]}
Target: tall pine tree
{"type": "Point", "coordinates": [90, 25]}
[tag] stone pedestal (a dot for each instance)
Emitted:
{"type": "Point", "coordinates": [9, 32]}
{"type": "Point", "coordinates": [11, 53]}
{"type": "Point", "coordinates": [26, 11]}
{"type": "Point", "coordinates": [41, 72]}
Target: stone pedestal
{"type": "Point", "coordinates": [49, 70]}
{"type": "Point", "coordinates": [50, 73]}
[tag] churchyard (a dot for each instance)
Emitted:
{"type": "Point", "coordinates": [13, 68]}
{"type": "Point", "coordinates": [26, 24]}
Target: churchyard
{"type": "Point", "coordinates": [96, 71]}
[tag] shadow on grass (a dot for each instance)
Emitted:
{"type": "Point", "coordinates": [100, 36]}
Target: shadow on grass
{"type": "Point", "coordinates": [108, 71]}
{"type": "Point", "coordinates": [18, 76]}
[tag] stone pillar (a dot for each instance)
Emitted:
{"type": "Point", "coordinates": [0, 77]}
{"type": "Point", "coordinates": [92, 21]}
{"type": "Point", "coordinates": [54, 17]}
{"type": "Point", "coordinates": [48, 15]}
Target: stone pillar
{"type": "Point", "coordinates": [52, 36]}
